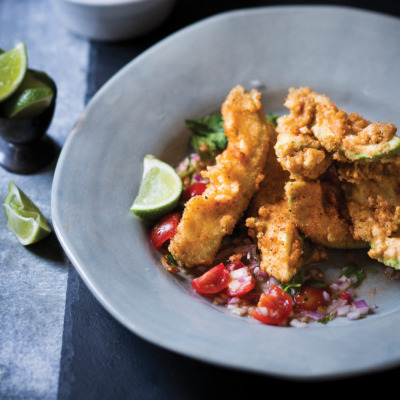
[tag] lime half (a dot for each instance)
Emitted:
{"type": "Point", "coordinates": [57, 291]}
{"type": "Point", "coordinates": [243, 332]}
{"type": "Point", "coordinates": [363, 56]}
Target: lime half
{"type": "Point", "coordinates": [159, 190]}
{"type": "Point", "coordinates": [13, 66]}
{"type": "Point", "coordinates": [23, 217]}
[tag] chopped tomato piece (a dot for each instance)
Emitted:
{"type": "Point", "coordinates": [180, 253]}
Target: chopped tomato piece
{"type": "Point", "coordinates": [213, 281]}
{"type": "Point", "coordinates": [165, 229]}
{"type": "Point", "coordinates": [274, 307]}
{"type": "Point", "coordinates": [241, 281]}
{"type": "Point", "coordinates": [193, 190]}
{"type": "Point", "coordinates": [345, 296]}
{"type": "Point", "coordinates": [237, 264]}
{"type": "Point", "coordinates": [310, 298]}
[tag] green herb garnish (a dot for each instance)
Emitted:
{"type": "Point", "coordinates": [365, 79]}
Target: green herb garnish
{"type": "Point", "coordinates": [209, 137]}
{"type": "Point", "coordinates": [294, 284]}
{"type": "Point", "coordinates": [272, 118]}
{"type": "Point", "coordinates": [355, 270]}
{"type": "Point", "coordinates": [171, 260]}
{"type": "Point", "coordinates": [326, 318]}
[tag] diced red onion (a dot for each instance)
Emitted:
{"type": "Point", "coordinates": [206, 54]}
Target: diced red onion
{"type": "Point", "coordinates": [335, 305]}
{"type": "Point", "coordinates": [315, 315]}
{"type": "Point", "coordinates": [197, 177]}
{"type": "Point", "coordinates": [342, 284]}
{"type": "Point", "coordinates": [361, 306]}
{"type": "Point", "coordinates": [353, 315]}
{"type": "Point", "coordinates": [262, 273]}
{"type": "Point", "coordinates": [343, 310]}
{"type": "Point", "coordinates": [326, 296]}
{"type": "Point", "coordinates": [273, 281]}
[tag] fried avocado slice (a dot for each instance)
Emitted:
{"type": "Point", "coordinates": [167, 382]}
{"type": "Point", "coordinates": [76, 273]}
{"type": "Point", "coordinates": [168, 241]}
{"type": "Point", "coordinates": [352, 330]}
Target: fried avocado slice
{"type": "Point", "coordinates": [317, 209]}
{"type": "Point", "coordinates": [373, 200]}
{"type": "Point", "coordinates": [317, 132]}
{"type": "Point", "coordinates": [233, 179]}
{"type": "Point", "coordinates": [283, 248]}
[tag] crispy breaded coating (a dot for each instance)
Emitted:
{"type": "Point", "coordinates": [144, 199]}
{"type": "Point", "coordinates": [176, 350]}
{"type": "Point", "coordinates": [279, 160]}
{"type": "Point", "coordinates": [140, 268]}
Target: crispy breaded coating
{"type": "Point", "coordinates": [232, 181]}
{"type": "Point", "coordinates": [297, 149]}
{"type": "Point", "coordinates": [272, 187]}
{"type": "Point", "coordinates": [317, 132]}
{"type": "Point", "coordinates": [283, 249]}
{"type": "Point", "coordinates": [318, 210]}
{"type": "Point", "coordinates": [373, 200]}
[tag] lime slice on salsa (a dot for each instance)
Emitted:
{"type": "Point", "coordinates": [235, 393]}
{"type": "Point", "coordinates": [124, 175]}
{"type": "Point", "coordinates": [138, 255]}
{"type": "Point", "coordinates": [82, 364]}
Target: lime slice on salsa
{"type": "Point", "coordinates": [13, 66]}
{"type": "Point", "coordinates": [24, 218]}
{"type": "Point", "coordinates": [159, 190]}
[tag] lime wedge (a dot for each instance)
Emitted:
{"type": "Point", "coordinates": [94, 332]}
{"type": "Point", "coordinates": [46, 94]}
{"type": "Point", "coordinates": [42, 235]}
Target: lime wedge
{"type": "Point", "coordinates": [23, 217]}
{"type": "Point", "coordinates": [13, 66]}
{"type": "Point", "coordinates": [28, 103]}
{"type": "Point", "coordinates": [159, 190]}
{"type": "Point", "coordinates": [36, 79]}
{"type": "Point", "coordinates": [31, 98]}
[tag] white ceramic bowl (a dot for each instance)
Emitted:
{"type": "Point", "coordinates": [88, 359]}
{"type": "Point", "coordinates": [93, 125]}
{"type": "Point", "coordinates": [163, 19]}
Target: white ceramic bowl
{"type": "Point", "coordinates": [112, 20]}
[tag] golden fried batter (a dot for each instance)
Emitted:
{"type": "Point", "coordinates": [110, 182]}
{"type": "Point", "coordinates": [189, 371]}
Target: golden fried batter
{"type": "Point", "coordinates": [316, 131]}
{"type": "Point", "coordinates": [232, 181]}
{"type": "Point", "coordinates": [373, 200]}
{"type": "Point", "coordinates": [297, 149]}
{"type": "Point", "coordinates": [272, 187]}
{"type": "Point", "coordinates": [318, 210]}
{"type": "Point", "coordinates": [283, 249]}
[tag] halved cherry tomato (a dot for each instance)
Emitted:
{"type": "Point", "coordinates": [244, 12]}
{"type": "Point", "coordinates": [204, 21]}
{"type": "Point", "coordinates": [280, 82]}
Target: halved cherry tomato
{"type": "Point", "coordinates": [233, 265]}
{"type": "Point", "coordinates": [274, 307]}
{"type": "Point", "coordinates": [212, 281]}
{"type": "Point", "coordinates": [241, 281]}
{"type": "Point", "coordinates": [165, 229]}
{"type": "Point", "coordinates": [193, 190]}
{"type": "Point", "coordinates": [310, 298]}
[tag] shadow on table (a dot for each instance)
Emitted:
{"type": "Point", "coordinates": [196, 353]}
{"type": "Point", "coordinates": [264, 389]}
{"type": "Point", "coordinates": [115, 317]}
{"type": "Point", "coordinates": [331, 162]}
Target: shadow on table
{"type": "Point", "coordinates": [50, 249]}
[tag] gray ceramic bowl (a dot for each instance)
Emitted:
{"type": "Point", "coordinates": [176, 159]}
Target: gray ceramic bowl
{"type": "Point", "coordinates": [351, 56]}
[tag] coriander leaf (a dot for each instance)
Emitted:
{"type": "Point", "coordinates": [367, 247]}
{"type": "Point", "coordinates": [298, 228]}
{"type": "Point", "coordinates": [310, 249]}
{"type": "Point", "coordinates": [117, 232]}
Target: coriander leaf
{"type": "Point", "coordinates": [208, 135]}
{"type": "Point", "coordinates": [272, 118]}
{"type": "Point", "coordinates": [325, 319]}
{"type": "Point", "coordinates": [358, 272]}
{"type": "Point", "coordinates": [171, 260]}
{"type": "Point", "coordinates": [295, 283]}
